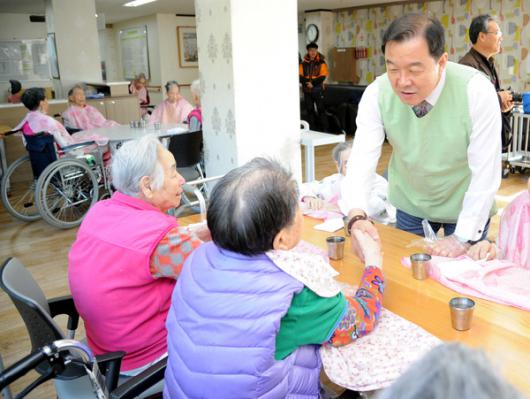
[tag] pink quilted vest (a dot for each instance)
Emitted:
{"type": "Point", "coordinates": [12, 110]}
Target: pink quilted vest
{"type": "Point", "coordinates": [122, 305]}
{"type": "Point", "coordinates": [514, 231]}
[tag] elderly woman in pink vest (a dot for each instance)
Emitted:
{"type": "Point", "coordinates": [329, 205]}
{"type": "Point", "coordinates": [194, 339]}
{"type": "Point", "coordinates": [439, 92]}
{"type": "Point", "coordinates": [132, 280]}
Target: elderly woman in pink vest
{"type": "Point", "coordinates": [251, 309]}
{"type": "Point", "coordinates": [80, 115]}
{"type": "Point", "coordinates": [195, 116]}
{"type": "Point", "coordinates": [128, 254]}
{"type": "Point", "coordinates": [139, 87]}
{"type": "Point", "coordinates": [174, 109]}
{"type": "Point", "coordinates": [514, 234]}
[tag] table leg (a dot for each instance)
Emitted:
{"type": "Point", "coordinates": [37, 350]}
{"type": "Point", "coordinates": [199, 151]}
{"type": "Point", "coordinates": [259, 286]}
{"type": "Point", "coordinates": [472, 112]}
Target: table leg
{"type": "Point", "coordinates": [3, 159]}
{"type": "Point", "coordinates": [309, 163]}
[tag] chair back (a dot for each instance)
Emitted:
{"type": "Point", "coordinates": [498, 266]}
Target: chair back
{"type": "Point", "coordinates": [41, 151]}
{"type": "Point", "coordinates": [186, 148]}
{"type": "Point", "coordinates": [31, 303]}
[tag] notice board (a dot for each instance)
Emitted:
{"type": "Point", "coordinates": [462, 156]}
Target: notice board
{"type": "Point", "coordinates": [24, 60]}
{"type": "Point", "coordinates": [134, 52]}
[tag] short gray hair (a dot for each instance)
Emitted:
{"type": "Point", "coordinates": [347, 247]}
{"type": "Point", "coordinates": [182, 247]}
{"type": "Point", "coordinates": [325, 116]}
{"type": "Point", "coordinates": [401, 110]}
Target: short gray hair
{"type": "Point", "coordinates": [134, 160]}
{"type": "Point", "coordinates": [451, 371]}
{"type": "Point", "coordinates": [339, 149]}
{"type": "Point", "coordinates": [79, 86]}
{"type": "Point", "coordinates": [170, 84]}
{"type": "Point", "coordinates": [195, 87]}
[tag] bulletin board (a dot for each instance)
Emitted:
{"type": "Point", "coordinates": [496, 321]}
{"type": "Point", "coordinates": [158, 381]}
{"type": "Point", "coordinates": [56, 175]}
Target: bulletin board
{"type": "Point", "coordinates": [24, 60]}
{"type": "Point", "coordinates": [134, 52]}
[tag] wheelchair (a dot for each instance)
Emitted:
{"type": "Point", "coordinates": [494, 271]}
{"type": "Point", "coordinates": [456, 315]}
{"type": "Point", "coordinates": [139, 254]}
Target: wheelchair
{"type": "Point", "coordinates": [58, 185]}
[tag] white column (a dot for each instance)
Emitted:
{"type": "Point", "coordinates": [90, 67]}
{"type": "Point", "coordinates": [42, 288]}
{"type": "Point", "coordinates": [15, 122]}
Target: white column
{"type": "Point", "coordinates": [248, 62]}
{"type": "Point", "coordinates": [76, 36]}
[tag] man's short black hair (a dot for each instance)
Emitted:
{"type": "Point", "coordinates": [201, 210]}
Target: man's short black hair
{"type": "Point", "coordinates": [412, 25]}
{"type": "Point", "coordinates": [250, 205]}
{"type": "Point", "coordinates": [311, 45]}
{"type": "Point", "coordinates": [479, 24]}
{"type": "Point", "coordinates": [32, 97]}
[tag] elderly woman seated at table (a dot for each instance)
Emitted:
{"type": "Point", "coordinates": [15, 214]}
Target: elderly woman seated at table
{"type": "Point", "coordinates": [36, 121]}
{"type": "Point", "coordinates": [128, 254]}
{"type": "Point", "coordinates": [322, 199]}
{"type": "Point", "coordinates": [174, 109]}
{"type": "Point", "coordinates": [80, 115]}
{"type": "Point", "coordinates": [249, 312]}
{"type": "Point", "coordinates": [139, 87]}
{"type": "Point", "coordinates": [195, 116]}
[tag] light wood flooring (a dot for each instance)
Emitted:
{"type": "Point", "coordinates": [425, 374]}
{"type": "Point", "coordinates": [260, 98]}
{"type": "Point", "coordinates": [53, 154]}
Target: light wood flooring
{"type": "Point", "coordinates": [44, 250]}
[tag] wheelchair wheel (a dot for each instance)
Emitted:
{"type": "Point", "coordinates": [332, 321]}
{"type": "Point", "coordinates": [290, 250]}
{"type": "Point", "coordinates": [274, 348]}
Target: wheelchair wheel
{"type": "Point", "coordinates": [18, 190]}
{"type": "Point", "coordinates": [65, 192]}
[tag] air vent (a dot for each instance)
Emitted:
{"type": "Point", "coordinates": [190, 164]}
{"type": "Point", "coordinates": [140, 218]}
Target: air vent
{"type": "Point", "coordinates": [37, 18]}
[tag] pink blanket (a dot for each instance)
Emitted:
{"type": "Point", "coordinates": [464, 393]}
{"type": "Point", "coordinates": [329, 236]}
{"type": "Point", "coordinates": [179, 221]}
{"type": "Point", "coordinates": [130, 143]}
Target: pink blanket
{"type": "Point", "coordinates": [500, 281]}
{"type": "Point", "coordinates": [514, 231]}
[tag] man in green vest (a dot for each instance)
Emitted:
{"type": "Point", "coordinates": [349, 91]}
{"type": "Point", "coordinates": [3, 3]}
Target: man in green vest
{"type": "Point", "coordinates": [442, 120]}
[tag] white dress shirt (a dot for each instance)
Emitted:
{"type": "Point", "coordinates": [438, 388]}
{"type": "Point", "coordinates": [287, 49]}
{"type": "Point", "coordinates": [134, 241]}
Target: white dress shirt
{"type": "Point", "coordinates": [484, 153]}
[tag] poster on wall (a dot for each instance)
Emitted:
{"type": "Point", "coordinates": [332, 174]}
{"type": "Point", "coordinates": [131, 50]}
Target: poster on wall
{"type": "Point", "coordinates": [187, 47]}
{"type": "Point", "coordinates": [134, 52]}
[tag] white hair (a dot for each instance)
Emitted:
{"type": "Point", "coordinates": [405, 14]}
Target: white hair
{"type": "Point", "coordinates": [134, 160]}
{"type": "Point", "coordinates": [451, 371]}
{"type": "Point", "coordinates": [195, 87]}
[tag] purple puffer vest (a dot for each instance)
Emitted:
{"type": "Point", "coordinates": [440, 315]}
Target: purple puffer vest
{"type": "Point", "coordinates": [225, 314]}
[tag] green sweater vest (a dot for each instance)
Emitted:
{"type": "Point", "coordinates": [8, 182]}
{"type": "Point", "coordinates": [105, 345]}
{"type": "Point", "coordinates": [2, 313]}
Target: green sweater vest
{"type": "Point", "coordinates": [428, 173]}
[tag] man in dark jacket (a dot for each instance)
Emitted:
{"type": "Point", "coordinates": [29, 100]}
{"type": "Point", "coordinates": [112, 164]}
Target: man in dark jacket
{"type": "Point", "coordinates": [486, 37]}
{"type": "Point", "coordinates": [313, 71]}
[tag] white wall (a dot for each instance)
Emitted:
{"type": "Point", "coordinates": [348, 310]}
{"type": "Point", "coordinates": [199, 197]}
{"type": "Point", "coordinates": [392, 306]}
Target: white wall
{"type": "Point", "coordinates": [19, 27]}
{"type": "Point", "coordinates": [109, 49]}
{"type": "Point", "coordinates": [76, 37]}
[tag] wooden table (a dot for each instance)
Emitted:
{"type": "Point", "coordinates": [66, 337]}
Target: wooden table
{"type": "Point", "coordinates": [502, 331]}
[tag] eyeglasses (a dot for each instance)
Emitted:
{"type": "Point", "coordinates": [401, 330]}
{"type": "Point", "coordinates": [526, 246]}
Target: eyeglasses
{"type": "Point", "coordinates": [497, 33]}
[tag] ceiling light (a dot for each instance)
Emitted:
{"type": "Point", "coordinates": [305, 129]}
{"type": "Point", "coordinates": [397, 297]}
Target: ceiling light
{"type": "Point", "coordinates": [137, 3]}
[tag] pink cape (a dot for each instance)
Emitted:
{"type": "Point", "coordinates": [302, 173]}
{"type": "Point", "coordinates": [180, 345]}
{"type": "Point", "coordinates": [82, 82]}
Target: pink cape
{"type": "Point", "coordinates": [167, 112]}
{"type": "Point", "coordinates": [85, 118]}
{"type": "Point", "coordinates": [39, 122]}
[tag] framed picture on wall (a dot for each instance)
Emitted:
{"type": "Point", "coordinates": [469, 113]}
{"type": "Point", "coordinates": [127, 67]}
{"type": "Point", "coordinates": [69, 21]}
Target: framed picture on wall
{"type": "Point", "coordinates": [187, 47]}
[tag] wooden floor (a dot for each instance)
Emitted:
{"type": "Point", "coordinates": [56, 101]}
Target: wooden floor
{"type": "Point", "coordinates": [44, 250]}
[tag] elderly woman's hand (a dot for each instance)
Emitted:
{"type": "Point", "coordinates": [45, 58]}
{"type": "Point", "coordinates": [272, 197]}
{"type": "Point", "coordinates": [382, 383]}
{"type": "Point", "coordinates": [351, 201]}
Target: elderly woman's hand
{"type": "Point", "coordinates": [201, 231]}
{"type": "Point", "coordinates": [370, 248]}
{"type": "Point", "coordinates": [482, 250]}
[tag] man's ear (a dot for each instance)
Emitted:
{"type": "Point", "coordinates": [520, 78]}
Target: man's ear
{"type": "Point", "coordinates": [145, 187]}
{"type": "Point", "coordinates": [281, 240]}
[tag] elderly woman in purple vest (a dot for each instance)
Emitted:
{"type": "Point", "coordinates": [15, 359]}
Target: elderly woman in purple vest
{"type": "Point", "coordinates": [128, 254]}
{"type": "Point", "coordinates": [251, 309]}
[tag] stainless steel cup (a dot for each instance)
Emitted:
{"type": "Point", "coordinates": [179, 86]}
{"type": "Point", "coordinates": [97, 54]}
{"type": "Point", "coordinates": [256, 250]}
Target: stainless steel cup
{"type": "Point", "coordinates": [336, 247]}
{"type": "Point", "coordinates": [420, 265]}
{"type": "Point", "coordinates": [461, 313]}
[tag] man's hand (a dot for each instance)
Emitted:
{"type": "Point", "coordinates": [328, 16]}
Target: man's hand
{"type": "Point", "coordinates": [364, 226]}
{"type": "Point", "coordinates": [448, 246]}
{"type": "Point", "coordinates": [370, 248]}
{"type": "Point", "coordinates": [482, 250]}
{"type": "Point", "coordinates": [313, 203]}
{"type": "Point", "coordinates": [506, 100]}
{"type": "Point", "coordinates": [309, 85]}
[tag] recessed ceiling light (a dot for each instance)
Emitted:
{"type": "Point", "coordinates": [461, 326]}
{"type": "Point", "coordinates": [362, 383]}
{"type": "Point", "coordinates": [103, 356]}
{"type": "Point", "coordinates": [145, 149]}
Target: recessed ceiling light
{"type": "Point", "coordinates": [137, 3]}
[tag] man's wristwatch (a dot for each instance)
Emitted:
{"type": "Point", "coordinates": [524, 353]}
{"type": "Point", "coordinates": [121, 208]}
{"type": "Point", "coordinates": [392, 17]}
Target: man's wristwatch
{"type": "Point", "coordinates": [355, 219]}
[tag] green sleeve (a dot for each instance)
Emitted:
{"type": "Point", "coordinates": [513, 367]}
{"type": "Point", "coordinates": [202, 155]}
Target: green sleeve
{"type": "Point", "coordinates": [311, 319]}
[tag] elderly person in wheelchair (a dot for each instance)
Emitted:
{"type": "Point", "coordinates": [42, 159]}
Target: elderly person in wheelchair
{"type": "Point", "coordinates": [128, 254]}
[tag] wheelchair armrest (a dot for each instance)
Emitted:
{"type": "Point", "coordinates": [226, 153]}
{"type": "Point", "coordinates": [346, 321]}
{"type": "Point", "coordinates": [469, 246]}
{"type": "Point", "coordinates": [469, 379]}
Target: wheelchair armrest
{"type": "Point", "coordinates": [65, 305]}
{"type": "Point", "coordinates": [109, 364]}
{"type": "Point", "coordinates": [77, 146]}
{"type": "Point", "coordinates": [139, 383]}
